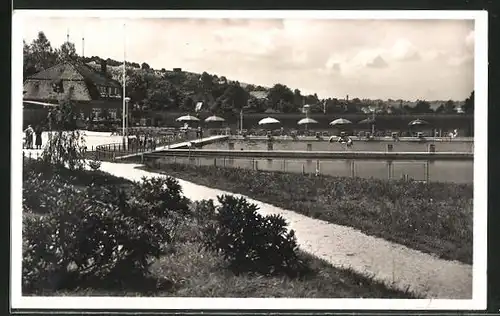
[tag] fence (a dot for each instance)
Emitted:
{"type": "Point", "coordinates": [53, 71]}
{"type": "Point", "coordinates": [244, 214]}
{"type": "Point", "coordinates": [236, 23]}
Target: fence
{"type": "Point", "coordinates": [135, 146]}
{"type": "Point", "coordinates": [458, 171]}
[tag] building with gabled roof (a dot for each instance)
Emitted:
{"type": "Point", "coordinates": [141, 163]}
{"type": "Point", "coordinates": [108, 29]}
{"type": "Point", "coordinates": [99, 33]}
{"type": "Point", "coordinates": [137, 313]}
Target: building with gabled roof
{"type": "Point", "coordinates": [91, 91]}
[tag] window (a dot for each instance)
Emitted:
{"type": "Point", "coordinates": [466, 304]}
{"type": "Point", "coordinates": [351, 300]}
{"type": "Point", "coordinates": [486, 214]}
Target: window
{"type": "Point", "coordinates": [112, 114]}
{"type": "Point", "coordinates": [96, 113]}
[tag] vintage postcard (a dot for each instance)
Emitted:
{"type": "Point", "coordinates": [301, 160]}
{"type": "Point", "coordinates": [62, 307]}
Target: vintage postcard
{"type": "Point", "coordinates": [310, 160]}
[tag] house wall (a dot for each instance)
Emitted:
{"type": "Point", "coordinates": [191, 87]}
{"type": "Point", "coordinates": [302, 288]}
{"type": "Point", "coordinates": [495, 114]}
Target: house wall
{"type": "Point", "coordinates": [42, 90]}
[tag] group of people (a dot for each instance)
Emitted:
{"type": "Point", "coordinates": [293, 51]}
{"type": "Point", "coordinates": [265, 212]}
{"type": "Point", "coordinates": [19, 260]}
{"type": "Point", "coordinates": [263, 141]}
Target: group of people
{"type": "Point", "coordinates": [342, 139]}
{"type": "Point", "coordinates": [31, 133]}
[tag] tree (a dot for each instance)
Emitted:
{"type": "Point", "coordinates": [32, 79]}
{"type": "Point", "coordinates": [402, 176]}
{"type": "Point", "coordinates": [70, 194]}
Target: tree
{"type": "Point", "coordinates": [233, 99]}
{"type": "Point", "coordinates": [423, 107]}
{"type": "Point", "coordinates": [42, 53]}
{"type": "Point", "coordinates": [145, 66]}
{"type": "Point", "coordinates": [449, 107]}
{"type": "Point", "coordinates": [29, 64]}
{"type": "Point", "coordinates": [279, 93]}
{"type": "Point", "coordinates": [65, 147]}
{"type": "Point", "coordinates": [440, 109]}
{"type": "Point", "coordinates": [469, 104]}
{"type": "Point", "coordinates": [188, 105]}
{"type": "Point", "coordinates": [162, 94]}
{"type": "Point", "coordinates": [67, 52]}
{"type": "Point", "coordinates": [206, 81]}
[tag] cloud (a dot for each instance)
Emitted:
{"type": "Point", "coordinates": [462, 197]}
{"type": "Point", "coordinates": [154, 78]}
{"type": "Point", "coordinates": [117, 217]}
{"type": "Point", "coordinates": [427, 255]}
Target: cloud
{"type": "Point", "coordinates": [404, 50]}
{"type": "Point", "coordinates": [378, 62]}
{"type": "Point", "coordinates": [469, 39]}
{"type": "Point", "coordinates": [459, 60]}
{"type": "Point", "coordinates": [330, 57]}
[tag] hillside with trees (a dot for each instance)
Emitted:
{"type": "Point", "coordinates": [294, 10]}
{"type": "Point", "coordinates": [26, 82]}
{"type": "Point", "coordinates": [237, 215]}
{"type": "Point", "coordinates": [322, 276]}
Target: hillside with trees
{"type": "Point", "coordinates": [179, 91]}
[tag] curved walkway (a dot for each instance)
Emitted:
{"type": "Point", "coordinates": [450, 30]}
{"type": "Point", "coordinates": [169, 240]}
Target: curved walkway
{"type": "Point", "coordinates": [347, 247]}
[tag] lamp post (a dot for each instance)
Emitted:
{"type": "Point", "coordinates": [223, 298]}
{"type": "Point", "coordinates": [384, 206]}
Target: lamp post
{"type": "Point", "coordinates": [373, 110]}
{"type": "Point", "coordinates": [306, 109]}
{"type": "Point", "coordinates": [124, 120]}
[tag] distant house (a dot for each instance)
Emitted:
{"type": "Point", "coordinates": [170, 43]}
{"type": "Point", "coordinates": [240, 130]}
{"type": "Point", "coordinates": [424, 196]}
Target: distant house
{"type": "Point", "coordinates": [259, 95]}
{"type": "Point", "coordinates": [91, 91]}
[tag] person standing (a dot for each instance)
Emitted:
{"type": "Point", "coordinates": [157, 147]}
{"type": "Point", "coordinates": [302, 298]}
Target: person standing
{"type": "Point", "coordinates": [29, 137]}
{"type": "Point", "coordinates": [38, 137]}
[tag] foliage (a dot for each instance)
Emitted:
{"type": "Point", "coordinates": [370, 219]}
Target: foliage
{"type": "Point", "coordinates": [94, 164]}
{"type": "Point", "coordinates": [469, 104]}
{"type": "Point", "coordinates": [164, 194]}
{"type": "Point", "coordinates": [433, 217]}
{"type": "Point", "coordinates": [65, 146]}
{"type": "Point", "coordinates": [83, 239]}
{"type": "Point", "coordinates": [98, 235]}
{"type": "Point", "coordinates": [95, 226]}
{"type": "Point", "coordinates": [251, 242]}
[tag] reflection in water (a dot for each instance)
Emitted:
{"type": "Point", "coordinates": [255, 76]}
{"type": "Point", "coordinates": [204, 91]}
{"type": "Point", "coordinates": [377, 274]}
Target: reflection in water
{"type": "Point", "coordinates": [439, 171]}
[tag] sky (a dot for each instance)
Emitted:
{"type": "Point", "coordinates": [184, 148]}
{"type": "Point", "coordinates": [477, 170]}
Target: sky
{"type": "Point", "coordinates": [376, 59]}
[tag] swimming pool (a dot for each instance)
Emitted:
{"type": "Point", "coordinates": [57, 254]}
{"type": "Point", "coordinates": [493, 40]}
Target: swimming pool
{"type": "Point", "coordinates": [436, 171]}
{"type": "Point", "coordinates": [359, 145]}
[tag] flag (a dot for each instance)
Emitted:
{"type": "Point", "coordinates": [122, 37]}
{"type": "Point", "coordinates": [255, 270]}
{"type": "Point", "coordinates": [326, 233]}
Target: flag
{"type": "Point", "coordinates": [199, 105]}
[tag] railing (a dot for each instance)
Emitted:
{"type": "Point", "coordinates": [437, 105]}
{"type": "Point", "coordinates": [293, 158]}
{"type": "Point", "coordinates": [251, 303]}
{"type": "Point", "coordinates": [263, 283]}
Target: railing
{"type": "Point", "coordinates": [115, 150]}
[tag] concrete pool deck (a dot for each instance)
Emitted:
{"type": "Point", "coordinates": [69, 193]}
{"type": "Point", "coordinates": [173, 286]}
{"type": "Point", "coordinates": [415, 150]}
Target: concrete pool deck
{"type": "Point", "coordinates": [356, 138]}
{"type": "Point", "coordinates": [345, 247]}
{"type": "Point", "coordinates": [180, 145]}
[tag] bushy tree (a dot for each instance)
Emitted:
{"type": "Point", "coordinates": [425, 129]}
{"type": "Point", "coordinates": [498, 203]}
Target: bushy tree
{"type": "Point", "coordinates": [422, 107]}
{"type": "Point", "coordinates": [66, 145]}
{"type": "Point", "coordinates": [251, 242]}
{"type": "Point", "coordinates": [469, 104]}
{"type": "Point", "coordinates": [280, 92]}
{"type": "Point", "coordinates": [67, 52]}
{"type": "Point", "coordinates": [42, 55]}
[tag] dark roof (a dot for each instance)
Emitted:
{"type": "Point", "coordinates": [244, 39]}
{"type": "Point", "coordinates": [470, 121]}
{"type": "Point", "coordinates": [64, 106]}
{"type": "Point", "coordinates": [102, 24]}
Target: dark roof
{"type": "Point", "coordinates": [59, 71]}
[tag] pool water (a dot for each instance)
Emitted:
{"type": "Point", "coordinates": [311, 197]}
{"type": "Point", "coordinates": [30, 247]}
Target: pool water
{"type": "Point", "coordinates": [437, 171]}
{"type": "Point", "coordinates": [360, 145]}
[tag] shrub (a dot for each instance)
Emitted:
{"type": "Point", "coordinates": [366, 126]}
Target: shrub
{"type": "Point", "coordinates": [204, 210]}
{"type": "Point", "coordinates": [66, 146]}
{"type": "Point", "coordinates": [251, 242]}
{"type": "Point", "coordinates": [94, 164]}
{"type": "Point", "coordinates": [97, 236]}
{"type": "Point", "coordinates": [164, 194]}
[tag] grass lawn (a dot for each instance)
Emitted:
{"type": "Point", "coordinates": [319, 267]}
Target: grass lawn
{"type": "Point", "coordinates": [435, 218]}
{"type": "Point", "coordinates": [190, 271]}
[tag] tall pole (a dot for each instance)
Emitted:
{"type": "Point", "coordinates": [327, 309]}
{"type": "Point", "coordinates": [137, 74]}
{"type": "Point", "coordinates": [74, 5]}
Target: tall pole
{"type": "Point", "coordinates": [123, 96]}
{"type": "Point", "coordinates": [373, 123]}
{"type": "Point", "coordinates": [241, 120]}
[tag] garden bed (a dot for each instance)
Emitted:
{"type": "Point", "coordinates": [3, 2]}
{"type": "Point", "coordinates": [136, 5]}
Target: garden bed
{"type": "Point", "coordinates": [185, 268]}
{"type": "Point", "coordinates": [435, 218]}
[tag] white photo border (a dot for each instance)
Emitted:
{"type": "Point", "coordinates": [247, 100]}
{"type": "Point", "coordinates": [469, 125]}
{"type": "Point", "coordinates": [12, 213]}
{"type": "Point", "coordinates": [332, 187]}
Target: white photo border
{"type": "Point", "coordinates": [479, 297]}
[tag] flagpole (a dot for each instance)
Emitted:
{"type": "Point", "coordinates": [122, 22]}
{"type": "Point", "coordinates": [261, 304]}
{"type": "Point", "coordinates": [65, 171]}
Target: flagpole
{"type": "Point", "coordinates": [123, 97]}
{"type": "Point", "coordinates": [241, 120]}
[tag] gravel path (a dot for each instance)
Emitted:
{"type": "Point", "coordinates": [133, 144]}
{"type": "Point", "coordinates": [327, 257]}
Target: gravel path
{"type": "Point", "coordinates": [347, 247]}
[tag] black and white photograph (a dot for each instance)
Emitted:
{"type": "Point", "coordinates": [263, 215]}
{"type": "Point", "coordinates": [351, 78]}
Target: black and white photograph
{"type": "Point", "coordinates": [249, 160]}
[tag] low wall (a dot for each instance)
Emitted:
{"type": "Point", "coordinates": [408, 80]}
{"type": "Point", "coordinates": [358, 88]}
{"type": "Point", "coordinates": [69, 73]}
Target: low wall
{"type": "Point", "coordinates": [356, 138]}
{"type": "Point", "coordinates": [325, 155]}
